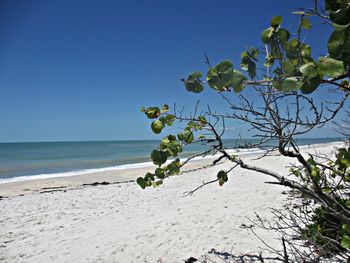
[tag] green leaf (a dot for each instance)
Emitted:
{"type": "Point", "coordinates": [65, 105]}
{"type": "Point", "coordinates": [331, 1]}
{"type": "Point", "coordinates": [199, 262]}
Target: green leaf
{"type": "Point", "coordinates": [309, 85]}
{"type": "Point", "coordinates": [345, 159]}
{"type": "Point", "coordinates": [276, 21]}
{"type": "Point", "coordinates": [157, 126]}
{"type": "Point", "coordinates": [237, 81]}
{"type": "Point", "coordinates": [248, 64]}
{"type": "Point", "coordinates": [245, 60]}
{"type": "Point", "coordinates": [158, 157]}
{"type": "Point", "coordinates": [166, 140]}
{"type": "Point", "coordinates": [339, 44]}
{"type": "Point", "coordinates": [169, 119]}
{"type": "Point", "coordinates": [288, 67]}
{"type": "Point", "coordinates": [345, 241]}
{"type": "Point", "coordinates": [160, 173]}
{"type": "Point", "coordinates": [152, 112]}
{"type": "Point", "coordinates": [305, 51]}
{"type": "Point", "coordinates": [346, 227]}
{"type": "Point", "coordinates": [222, 176]}
{"type": "Point", "coordinates": [188, 136]}
{"type": "Point", "coordinates": [277, 84]}
{"type": "Point", "coordinates": [173, 148]}
{"type": "Point", "coordinates": [266, 35]}
{"type": "Point", "coordinates": [326, 190]}
{"type": "Point", "coordinates": [309, 70]}
{"type": "Point", "coordinates": [292, 49]}
{"type": "Point", "coordinates": [340, 12]}
{"type": "Point", "coordinates": [252, 69]}
{"type": "Point", "coordinates": [193, 83]}
{"type": "Point", "coordinates": [180, 136]}
{"type": "Point", "coordinates": [157, 183]}
{"type": "Point", "coordinates": [141, 182]}
{"type": "Point", "coordinates": [294, 43]}
{"type": "Point", "coordinates": [331, 67]}
{"type": "Point", "coordinates": [284, 36]}
{"type": "Point", "coordinates": [220, 76]}
{"type": "Point", "coordinates": [149, 177]}
{"type": "Point", "coordinates": [224, 66]}
{"type": "Point", "coordinates": [253, 53]}
{"type": "Point", "coordinates": [174, 167]}
{"type": "Point", "coordinates": [286, 85]}
{"type": "Point", "coordinates": [305, 23]}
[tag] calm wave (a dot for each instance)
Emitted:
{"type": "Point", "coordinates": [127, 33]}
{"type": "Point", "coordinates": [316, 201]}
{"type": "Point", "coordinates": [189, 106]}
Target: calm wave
{"type": "Point", "coordinates": [45, 159]}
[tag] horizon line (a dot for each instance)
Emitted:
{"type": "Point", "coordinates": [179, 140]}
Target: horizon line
{"type": "Point", "coordinates": [114, 140]}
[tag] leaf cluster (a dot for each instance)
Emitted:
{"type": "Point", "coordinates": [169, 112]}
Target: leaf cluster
{"type": "Point", "coordinates": [170, 146]}
{"type": "Point", "coordinates": [288, 59]}
{"type": "Point", "coordinates": [326, 229]}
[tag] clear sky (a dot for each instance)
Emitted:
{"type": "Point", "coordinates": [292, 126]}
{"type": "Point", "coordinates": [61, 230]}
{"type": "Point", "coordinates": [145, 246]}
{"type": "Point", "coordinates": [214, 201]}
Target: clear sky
{"type": "Point", "coordinates": [81, 70]}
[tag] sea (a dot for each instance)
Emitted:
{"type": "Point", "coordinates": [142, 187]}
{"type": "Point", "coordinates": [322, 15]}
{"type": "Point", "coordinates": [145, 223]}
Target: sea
{"type": "Point", "coordinates": [20, 161]}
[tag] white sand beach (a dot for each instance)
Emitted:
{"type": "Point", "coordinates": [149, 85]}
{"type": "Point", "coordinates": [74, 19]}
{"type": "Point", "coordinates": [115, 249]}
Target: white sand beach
{"type": "Point", "coordinates": [59, 220]}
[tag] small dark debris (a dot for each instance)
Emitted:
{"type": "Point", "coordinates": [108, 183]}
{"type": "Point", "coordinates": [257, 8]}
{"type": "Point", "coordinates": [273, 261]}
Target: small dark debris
{"type": "Point", "coordinates": [245, 226]}
{"type": "Point", "coordinates": [191, 260]}
{"type": "Point", "coordinates": [97, 183]}
{"type": "Point", "coordinates": [51, 188]}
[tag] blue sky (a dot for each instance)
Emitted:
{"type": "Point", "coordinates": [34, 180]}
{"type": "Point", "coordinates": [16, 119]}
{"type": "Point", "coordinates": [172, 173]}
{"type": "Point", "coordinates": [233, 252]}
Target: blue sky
{"type": "Point", "coordinates": [81, 70]}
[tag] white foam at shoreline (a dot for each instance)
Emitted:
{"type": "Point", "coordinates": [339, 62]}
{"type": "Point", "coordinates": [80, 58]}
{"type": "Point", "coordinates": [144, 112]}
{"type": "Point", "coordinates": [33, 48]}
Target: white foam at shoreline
{"type": "Point", "coordinates": [240, 151]}
{"type": "Point", "coordinates": [74, 173]}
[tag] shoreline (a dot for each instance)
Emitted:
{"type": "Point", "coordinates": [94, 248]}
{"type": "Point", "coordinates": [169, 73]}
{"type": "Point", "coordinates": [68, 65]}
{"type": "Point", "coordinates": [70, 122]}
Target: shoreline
{"type": "Point", "coordinates": [79, 172]}
{"type": "Point", "coordinates": [66, 219]}
{"type": "Point", "coordinates": [115, 174]}
{"type": "Point", "coordinates": [136, 165]}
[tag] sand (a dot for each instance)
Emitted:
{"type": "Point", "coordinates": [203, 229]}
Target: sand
{"type": "Point", "coordinates": [59, 220]}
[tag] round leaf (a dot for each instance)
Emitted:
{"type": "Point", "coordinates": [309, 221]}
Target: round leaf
{"type": "Point", "coordinates": [331, 67]}
{"type": "Point", "coordinates": [158, 157]}
{"type": "Point", "coordinates": [309, 85]}
{"type": "Point", "coordinates": [339, 44]}
{"type": "Point", "coordinates": [276, 21]}
{"type": "Point", "coordinates": [193, 83]}
{"type": "Point", "coordinates": [157, 126]}
{"type": "Point", "coordinates": [220, 76]}
{"type": "Point", "coordinates": [170, 119]}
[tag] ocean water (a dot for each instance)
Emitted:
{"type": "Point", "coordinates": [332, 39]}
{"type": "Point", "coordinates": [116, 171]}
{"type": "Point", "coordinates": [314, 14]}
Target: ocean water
{"type": "Point", "coordinates": [23, 161]}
